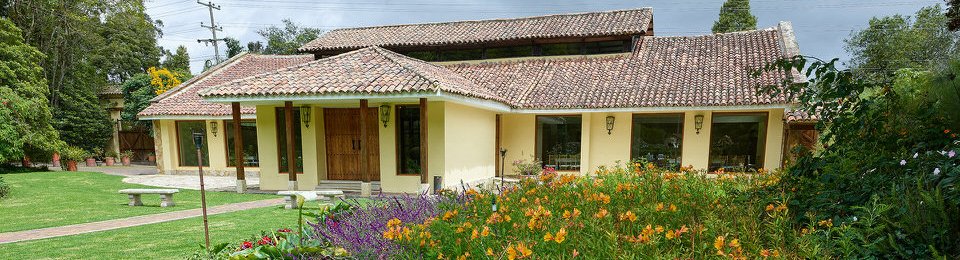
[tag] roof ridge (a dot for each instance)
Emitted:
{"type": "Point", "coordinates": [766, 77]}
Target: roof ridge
{"type": "Point", "coordinates": [393, 56]}
{"type": "Point", "coordinates": [200, 77]}
{"type": "Point", "coordinates": [494, 19]}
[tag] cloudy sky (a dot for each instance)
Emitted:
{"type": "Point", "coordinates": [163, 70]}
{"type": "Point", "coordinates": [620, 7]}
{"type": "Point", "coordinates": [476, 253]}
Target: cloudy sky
{"type": "Point", "coordinates": [820, 25]}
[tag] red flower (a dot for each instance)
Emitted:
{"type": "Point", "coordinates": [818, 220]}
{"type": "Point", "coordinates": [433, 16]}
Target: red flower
{"type": "Point", "coordinates": [284, 230]}
{"type": "Point", "coordinates": [245, 245]}
{"type": "Point", "coordinates": [946, 131]}
{"type": "Point", "coordinates": [265, 241]}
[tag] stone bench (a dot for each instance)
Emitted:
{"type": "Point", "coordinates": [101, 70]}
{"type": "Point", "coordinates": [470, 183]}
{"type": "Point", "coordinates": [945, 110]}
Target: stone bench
{"type": "Point", "coordinates": [290, 196]}
{"type": "Point", "coordinates": [166, 196]}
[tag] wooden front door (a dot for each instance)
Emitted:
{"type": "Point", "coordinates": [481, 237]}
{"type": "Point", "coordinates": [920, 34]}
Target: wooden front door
{"type": "Point", "coordinates": [342, 127]}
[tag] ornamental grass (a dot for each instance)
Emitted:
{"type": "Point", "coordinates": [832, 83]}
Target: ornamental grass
{"type": "Point", "coordinates": [626, 212]}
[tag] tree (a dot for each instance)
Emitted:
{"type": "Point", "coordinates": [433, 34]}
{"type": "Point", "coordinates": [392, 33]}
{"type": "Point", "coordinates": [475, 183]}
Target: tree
{"type": "Point", "coordinates": [286, 40]}
{"type": "Point", "coordinates": [25, 119]}
{"type": "Point", "coordinates": [233, 47]}
{"type": "Point", "coordinates": [179, 61]}
{"type": "Point", "coordinates": [141, 88]}
{"type": "Point", "coordinates": [255, 47]}
{"type": "Point", "coordinates": [953, 12]}
{"type": "Point", "coordinates": [735, 16]}
{"type": "Point", "coordinates": [895, 42]}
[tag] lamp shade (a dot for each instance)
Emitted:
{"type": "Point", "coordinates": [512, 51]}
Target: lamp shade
{"type": "Point", "coordinates": [698, 122]}
{"type": "Point", "coordinates": [384, 114]}
{"type": "Point", "coordinates": [305, 115]}
{"type": "Point", "coordinates": [213, 128]}
{"type": "Point", "coordinates": [610, 122]}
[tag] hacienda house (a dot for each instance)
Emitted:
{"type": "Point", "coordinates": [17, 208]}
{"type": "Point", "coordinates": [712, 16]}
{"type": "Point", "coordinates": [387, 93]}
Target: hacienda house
{"type": "Point", "coordinates": [404, 106]}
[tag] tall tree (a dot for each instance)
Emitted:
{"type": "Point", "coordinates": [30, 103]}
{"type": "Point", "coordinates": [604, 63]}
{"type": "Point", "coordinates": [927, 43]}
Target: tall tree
{"type": "Point", "coordinates": [735, 16]}
{"type": "Point", "coordinates": [953, 12]}
{"type": "Point", "coordinates": [286, 40]}
{"type": "Point", "coordinates": [25, 119]}
{"type": "Point", "coordinates": [255, 47]}
{"type": "Point", "coordinates": [895, 42]}
{"type": "Point", "coordinates": [233, 47]}
{"type": "Point", "coordinates": [179, 61]}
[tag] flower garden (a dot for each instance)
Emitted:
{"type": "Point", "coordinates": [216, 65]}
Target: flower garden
{"type": "Point", "coordinates": [625, 212]}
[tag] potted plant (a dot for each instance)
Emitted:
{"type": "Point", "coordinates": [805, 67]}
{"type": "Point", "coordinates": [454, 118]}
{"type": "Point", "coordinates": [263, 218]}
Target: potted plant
{"type": "Point", "coordinates": [56, 159]}
{"type": "Point", "coordinates": [72, 154]}
{"type": "Point", "coordinates": [125, 157]}
{"type": "Point", "coordinates": [152, 158]}
{"type": "Point", "coordinates": [25, 162]}
{"type": "Point", "coordinates": [110, 158]}
{"type": "Point", "coordinates": [91, 157]}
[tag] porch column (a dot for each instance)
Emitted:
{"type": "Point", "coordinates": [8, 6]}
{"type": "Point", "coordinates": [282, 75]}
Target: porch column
{"type": "Point", "coordinates": [291, 156]}
{"type": "Point", "coordinates": [424, 183]}
{"type": "Point", "coordinates": [238, 149]}
{"type": "Point", "coordinates": [365, 186]}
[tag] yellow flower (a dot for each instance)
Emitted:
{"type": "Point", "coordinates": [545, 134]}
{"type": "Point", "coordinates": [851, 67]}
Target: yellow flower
{"type": "Point", "coordinates": [601, 214]}
{"type": "Point", "coordinates": [735, 243]}
{"type": "Point", "coordinates": [826, 223]}
{"type": "Point", "coordinates": [511, 254]}
{"type": "Point", "coordinates": [440, 256]}
{"type": "Point", "coordinates": [548, 237]}
{"type": "Point", "coordinates": [769, 207]}
{"type": "Point", "coordinates": [561, 235]}
{"type": "Point", "coordinates": [650, 166]}
{"type": "Point", "coordinates": [576, 213]}
{"type": "Point", "coordinates": [670, 235]}
{"type": "Point", "coordinates": [393, 222]}
{"type": "Point", "coordinates": [673, 208]}
{"type": "Point", "coordinates": [523, 250]}
{"type": "Point", "coordinates": [765, 253]}
{"type": "Point", "coordinates": [449, 214]}
{"type": "Point", "coordinates": [648, 230]}
{"type": "Point", "coordinates": [523, 200]}
{"type": "Point", "coordinates": [489, 251]}
{"type": "Point", "coordinates": [566, 214]}
{"type": "Point", "coordinates": [718, 243]}
{"type": "Point", "coordinates": [659, 229]}
{"type": "Point", "coordinates": [485, 232]}
{"type": "Point", "coordinates": [474, 234]}
{"type": "Point", "coordinates": [628, 216]}
{"type": "Point", "coordinates": [659, 207]}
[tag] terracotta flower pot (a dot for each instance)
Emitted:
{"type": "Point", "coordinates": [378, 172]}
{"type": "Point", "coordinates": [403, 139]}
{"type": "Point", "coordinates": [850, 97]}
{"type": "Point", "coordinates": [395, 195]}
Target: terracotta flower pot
{"type": "Point", "coordinates": [72, 165]}
{"type": "Point", "coordinates": [125, 161]}
{"type": "Point", "coordinates": [91, 162]}
{"type": "Point", "coordinates": [109, 161]}
{"type": "Point", "coordinates": [152, 158]}
{"type": "Point", "coordinates": [56, 160]}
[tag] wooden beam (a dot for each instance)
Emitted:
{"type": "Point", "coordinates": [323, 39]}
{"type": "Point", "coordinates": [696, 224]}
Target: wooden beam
{"type": "Point", "coordinates": [364, 159]}
{"type": "Point", "coordinates": [423, 141]}
{"type": "Point", "coordinates": [291, 150]}
{"type": "Point", "coordinates": [238, 141]}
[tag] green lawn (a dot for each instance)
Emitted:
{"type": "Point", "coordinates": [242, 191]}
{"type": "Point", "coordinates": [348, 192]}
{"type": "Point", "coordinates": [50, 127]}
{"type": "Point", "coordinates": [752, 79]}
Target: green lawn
{"type": "Point", "coordinates": [47, 199]}
{"type": "Point", "coordinates": [169, 240]}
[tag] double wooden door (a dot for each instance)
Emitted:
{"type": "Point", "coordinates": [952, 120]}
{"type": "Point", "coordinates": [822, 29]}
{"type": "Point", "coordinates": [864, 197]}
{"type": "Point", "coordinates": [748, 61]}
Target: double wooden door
{"type": "Point", "coordinates": [342, 133]}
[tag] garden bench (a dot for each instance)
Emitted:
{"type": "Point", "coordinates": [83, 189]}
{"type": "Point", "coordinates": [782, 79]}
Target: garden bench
{"type": "Point", "coordinates": [166, 196]}
{"type": "Point", "coordinates": [290, 196]}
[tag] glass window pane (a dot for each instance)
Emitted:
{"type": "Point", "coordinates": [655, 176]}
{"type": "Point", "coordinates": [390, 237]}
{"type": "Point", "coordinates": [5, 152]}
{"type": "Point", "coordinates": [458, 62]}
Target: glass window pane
{"type": "Point", "coordinates": [737, 142]}
{"type": "Point", "coordinates": [454, 55]}
{"type": "Point", "coordinates": [248, 129]}
{"type": "Point", "coordinates": [187, 149]}
{"type": "Point", "coordinates": [560, 49]}
{"type": "Point", "coordinates": [408, 139]}
{"type": "Point", "coordinates": [658, 139]}
{"type": "Point", "coordinates": [282, 140]}
{"type": "Point", "coordinates": [558, 142]}
{"type": "Point", "coordinates": [507, 52]}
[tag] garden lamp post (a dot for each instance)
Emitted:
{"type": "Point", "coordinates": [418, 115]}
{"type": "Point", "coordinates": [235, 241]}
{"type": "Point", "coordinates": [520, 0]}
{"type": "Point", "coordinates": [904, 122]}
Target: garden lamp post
{"type": "Point", "coordinates": [198, 143]}
{"type": "Point", "coordinates": [503, 156]}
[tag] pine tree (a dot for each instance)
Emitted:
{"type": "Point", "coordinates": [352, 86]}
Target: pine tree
{"type": "Point", "coordinates": [179, 61]}
{"type": "Point", "coordinates": [735, 16]}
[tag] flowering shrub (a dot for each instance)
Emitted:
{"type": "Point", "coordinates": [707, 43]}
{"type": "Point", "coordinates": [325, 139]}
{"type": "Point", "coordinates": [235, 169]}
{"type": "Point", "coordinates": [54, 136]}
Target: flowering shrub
{"type": "Point", "coordinates": [630, 212]}
{"type": "Point", "coordinates": [285, 244]}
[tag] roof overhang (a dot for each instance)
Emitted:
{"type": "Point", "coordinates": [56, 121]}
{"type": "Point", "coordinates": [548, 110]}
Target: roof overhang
{"type": "Point", "coordinates": [195, 117]}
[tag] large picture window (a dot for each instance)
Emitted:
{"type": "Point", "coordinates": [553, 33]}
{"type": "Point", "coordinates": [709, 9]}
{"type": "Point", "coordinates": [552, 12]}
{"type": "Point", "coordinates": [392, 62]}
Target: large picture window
{"type": "Point", "coordinates": [558, 142]}
{"type": "Point", "coordinates": [658, 139]}
{"type": "Point", "coordinates": [248, 129]}
{"type": "Point", "coordinates": [282, 140]}
{"type": "Point", "coordinates": [187, 149]}
{"type": "Point", "coordinates": [737, 141]}
{"type": "Point", "coordinates": [408, 140]}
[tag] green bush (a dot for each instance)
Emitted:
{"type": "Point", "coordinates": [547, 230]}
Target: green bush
{"type": "Point", "coordinates": [4, 188]}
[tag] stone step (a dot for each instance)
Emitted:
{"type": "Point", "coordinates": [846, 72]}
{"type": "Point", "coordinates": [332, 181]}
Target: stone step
{"type": "Point", "coordinates": [345, 186]}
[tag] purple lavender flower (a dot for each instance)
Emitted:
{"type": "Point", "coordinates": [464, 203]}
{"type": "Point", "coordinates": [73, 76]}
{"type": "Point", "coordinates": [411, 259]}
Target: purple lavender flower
{"type": "Point", "coordinates": [951, 154]}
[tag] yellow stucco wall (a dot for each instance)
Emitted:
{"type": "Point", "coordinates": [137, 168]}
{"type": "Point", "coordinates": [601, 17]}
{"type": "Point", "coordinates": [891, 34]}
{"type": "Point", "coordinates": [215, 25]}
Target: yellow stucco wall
{"type": "Point", "coordinates": [518, 136]}
{"type": "Point", "coordinates": [470, 152]}
{"type": "Point", "coordinates": [270, 179]}
{"type": "Point", "coordinates": [608, 149]}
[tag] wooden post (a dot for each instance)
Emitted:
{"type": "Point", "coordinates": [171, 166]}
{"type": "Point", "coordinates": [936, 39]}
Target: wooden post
{"type": "Point", "coordinates": [238, 148]}
{"type": "Point", "coordinates": [423, 141]}
{"type": "Point", "coordinates": [364, 159]}
{"type": "Point", "coordinates": [291, 150]}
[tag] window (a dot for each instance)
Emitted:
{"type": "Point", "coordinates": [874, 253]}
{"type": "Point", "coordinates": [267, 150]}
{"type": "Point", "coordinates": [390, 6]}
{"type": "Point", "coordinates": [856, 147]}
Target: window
{"type": "Point", "coordinates": [187, 149]}
{"type": "Point", "coordinates": [558, 142]}
{"type": "Point", "coordinates": [248, 129]}
{"type": "Point", "coordinates": [658, 139]}
{"type": "Point", "coordinates": [282, 140]}
{"type": "Point", "coordinates": [468, 54]}
{"type": "Point", "coordinates": [422, 55]}
{"type": "Point", "coordinates": [737, 142]}
{"type": "Point", "coordinates": [408, 140]}
{"type": "Point", "coordinates": [507, 52]}
{"type": "Point", "coordinates": [606, 47]}
{"type": "Point", "coordinates": [560, 49]}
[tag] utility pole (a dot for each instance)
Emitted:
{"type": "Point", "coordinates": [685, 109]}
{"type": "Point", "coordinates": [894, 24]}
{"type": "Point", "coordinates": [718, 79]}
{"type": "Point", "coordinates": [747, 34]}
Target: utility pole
{"type": "Point", "coordinates": [213, 30]}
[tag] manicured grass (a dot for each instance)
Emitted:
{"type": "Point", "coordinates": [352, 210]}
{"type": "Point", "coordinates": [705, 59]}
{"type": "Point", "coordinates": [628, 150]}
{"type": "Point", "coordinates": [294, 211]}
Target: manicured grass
{"type": "Point", "coordinates": [48, 199]}
{"type": "Point", "coordinates": [169, 240]}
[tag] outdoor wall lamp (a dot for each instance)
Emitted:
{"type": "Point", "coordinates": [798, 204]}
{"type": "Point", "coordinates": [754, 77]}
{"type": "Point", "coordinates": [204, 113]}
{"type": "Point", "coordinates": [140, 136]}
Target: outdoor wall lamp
{"type": "Point", "coordinates": [610, 120]}
{"type": "Point", "coordinates": [213, 128]}
{"type": "Point", "coordinates": [384, 114]}
{"type": "Point", "coordinates": [305, 115]}
{"type": "Point", "coordinates": [698, 122]}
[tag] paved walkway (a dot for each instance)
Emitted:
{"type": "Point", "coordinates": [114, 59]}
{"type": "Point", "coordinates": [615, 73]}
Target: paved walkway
{"type": "Point", "coordinates": [18, 236]}
{"type": "Point", "coordinates": [191, 182]}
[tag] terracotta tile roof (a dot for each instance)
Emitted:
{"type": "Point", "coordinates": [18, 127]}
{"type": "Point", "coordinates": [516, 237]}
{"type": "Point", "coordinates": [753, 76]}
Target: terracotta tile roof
{"type": "Point", "coordinates": [365, 71]}
{"type": "Point", "coordinates": [184, 101]}
{"type": "Point", "coordinates": [710, 70]}
{"type": "Point", "coordinates": [800, 117]}
{"type": "Point", "coordinates": [111, 90]}
{"type": "Point", "coordinates": [608, 23]}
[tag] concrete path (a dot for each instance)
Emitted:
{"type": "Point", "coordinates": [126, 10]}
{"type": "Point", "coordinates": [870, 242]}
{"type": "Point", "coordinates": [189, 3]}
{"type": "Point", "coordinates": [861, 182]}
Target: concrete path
{"type": "Point", "coordinates": [19, 236]}
{"type": "Point", "coordinates": [191, 182]}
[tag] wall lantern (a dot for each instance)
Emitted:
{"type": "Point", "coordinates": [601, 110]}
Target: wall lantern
{"type": "Point", "coordinates": [610, 120]}
{"type": "Point", "coordinates": [305, 115]}
{"type": "Point", "coordinates": [213, 128]}
{"type": "Point", "coordinates": [698, 122]}
{"type": "Point", "coordinates": [384, 114]}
